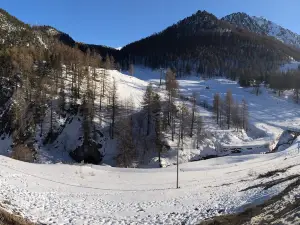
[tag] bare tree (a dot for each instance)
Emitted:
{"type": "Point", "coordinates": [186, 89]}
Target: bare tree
{"type": "Point", "coordinates": [216, 106]}
{"type": "Point", "coordinates": [194, 100]}
{"type": "Point", "coordinates": [228, 103]}
{"type": "Point", "coordinates": [113, 107]}
{"type": "Point", "coordinates": [235, 115]}
{"type": "Point", "coordinates": [147, 105]}
{"type": "Point", "coordinates": [156, 111]}
{"type": "Point", "coordinates": [245, 114]}
{"type": "Point", "coordinates": [127, 153]}
{"type": "Point", "coordinates": [183, 121]}
{"type": "Point", "coordinates": [199, 130]}
{"type": "Point", "coordinates": [131, 69]}
{"type": "Point", "coordinates": [171, 87]}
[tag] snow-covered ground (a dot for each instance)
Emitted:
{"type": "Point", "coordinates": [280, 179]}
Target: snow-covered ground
{"type": "Point", "coordinates": [89, 194]}
{"type": "Point", "coordinates": [269, 114]}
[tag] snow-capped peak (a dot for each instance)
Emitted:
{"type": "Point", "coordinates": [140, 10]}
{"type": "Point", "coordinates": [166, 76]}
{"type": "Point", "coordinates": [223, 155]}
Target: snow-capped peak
{"type": "Point", "coordinates": [261, 25]}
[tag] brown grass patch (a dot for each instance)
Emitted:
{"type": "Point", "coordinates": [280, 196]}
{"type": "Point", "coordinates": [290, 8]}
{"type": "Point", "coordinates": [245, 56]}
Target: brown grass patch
{"type": "Point", "coordinates": [7, 218]}
{"type": "Point", "coordinates": [23, 153]}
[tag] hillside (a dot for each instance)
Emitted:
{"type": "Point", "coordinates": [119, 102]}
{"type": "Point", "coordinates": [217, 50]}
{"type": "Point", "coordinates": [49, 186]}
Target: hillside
{"type": "Point", "coordinates": [261, 25]}
{"type": "Point", "coordinates": [15, 32]}
{"type": "Point", "coordinates": [208, 45]}
{"type": "Point", "coordinates": [66, 39]}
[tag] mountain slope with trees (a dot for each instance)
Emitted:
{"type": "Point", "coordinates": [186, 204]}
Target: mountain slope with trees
{"type": "Point", "coordinates": [16, 33]}
{"type": "Point", "coordinates": [66, 39]}
{"type": "Point", "coordinates": [207, 45]}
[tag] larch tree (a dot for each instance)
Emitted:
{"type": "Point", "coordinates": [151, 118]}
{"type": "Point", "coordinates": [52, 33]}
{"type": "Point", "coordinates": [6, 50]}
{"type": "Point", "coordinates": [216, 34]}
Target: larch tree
{"type": "Point", "coordinates": [235, 115]}
{"type": "Point", "coordinates": [183, 122]}
{"type": "Point", "coordinates": [114, 106]}
{"type": "Point", "coordinates": [245, 114]}
{"type": "Point", "coordinates": [131, 70]}
{"type": "Point", "coordinates": [194, 101]}
{"type": "Point", "coordinates": [216, 106]}
{"type": "Point", "coordinates": [62, 96]}
{"type": "Point", "coordinates": [147, 106]}
{"type": "Point", "coordinates": [228, 105]}
{"type": "Point", "coordinates": [199, 130]}
{"type": "Point", "coordinates": [171, 87]}
{"type": "Point", "coordinates": [127, 152]}
{"type": "Point", "coordinates": [156, 111]}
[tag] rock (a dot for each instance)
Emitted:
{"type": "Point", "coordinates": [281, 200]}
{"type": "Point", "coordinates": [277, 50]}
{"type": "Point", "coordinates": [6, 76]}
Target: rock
{"type": "Point", "coordinates": [220, 210]}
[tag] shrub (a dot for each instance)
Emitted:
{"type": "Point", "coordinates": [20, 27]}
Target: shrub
{"type": "Point", "coordinates": [23, 153]}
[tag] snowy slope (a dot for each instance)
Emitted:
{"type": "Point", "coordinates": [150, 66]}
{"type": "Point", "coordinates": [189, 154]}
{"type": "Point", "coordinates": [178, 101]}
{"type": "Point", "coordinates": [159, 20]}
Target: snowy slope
{"type": "Point", "coordinates": [270, 115]}
{"type": "Point", "coordinates": [85, 194]}
{"type": "Point", "coordinates": [7, 25]}
{"type": "Point", "coordinates": [261, 25]}
{"type": "Point", "coordinates": [267, 121]}
{"type": "Point", "coordinates": [70, 128]}
{"type": "Point", "coordinates": [280, 33]}
{"type": "Point", "coordinates": [90, 194]}
{"type": "Point", "coordinates": [268, 112]}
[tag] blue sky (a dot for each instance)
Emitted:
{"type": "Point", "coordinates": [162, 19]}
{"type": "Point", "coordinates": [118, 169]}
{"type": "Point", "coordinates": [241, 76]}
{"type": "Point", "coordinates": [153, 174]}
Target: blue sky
{"type": "Point", "coordinates": [118, 22]}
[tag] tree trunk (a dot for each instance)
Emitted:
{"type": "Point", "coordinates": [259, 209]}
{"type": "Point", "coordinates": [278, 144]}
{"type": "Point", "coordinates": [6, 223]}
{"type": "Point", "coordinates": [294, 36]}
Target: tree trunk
{"type": "Point", "coordinates": [51, 117]}
{"type": "Point", "coordinates": [148, 124]}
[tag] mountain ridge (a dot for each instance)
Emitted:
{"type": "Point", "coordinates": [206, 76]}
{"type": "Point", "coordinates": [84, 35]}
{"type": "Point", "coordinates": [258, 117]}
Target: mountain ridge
{"type": "Point", "coordinates": [202, 24]}
{"type": "Point", "coordinates": [16, 32]}
{"type": "Point", "coordinates": [263, 26]}
{"type": "Point", "coordinates": [208, 45]}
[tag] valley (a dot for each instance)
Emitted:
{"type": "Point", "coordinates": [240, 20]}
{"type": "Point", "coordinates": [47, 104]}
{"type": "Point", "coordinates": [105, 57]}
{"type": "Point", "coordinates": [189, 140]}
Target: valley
{"type": "Point", "coordinates": [196, 124]}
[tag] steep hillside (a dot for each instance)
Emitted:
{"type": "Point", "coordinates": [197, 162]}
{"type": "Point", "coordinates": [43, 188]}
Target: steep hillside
{"type": "Point", "coordinates": [262, 26]}
{"type": "Point", "coordinates": [208, 45]}
{"type": "Point", "coordinates": [16, 33]}
{"type": "Point", "coordinates": [66, 39]}
{"type": "Point", "coordinates": [245, 21]}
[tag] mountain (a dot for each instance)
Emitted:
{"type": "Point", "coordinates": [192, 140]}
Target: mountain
{"type": "Point", "coordinates": [14, 32]}
{"type": "Point", "coordinates": [66, 39]}
{"type": "Point", "coordinates": [245, 21]}
{"type": "Point", "coordinates": [208, 45]}
{"type": "Point", "coordinates": [260, 25]}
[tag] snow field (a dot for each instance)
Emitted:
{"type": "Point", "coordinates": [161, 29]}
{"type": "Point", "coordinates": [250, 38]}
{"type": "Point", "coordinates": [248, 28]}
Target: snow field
{"type": "Point", "coordinates": [89, 194]}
